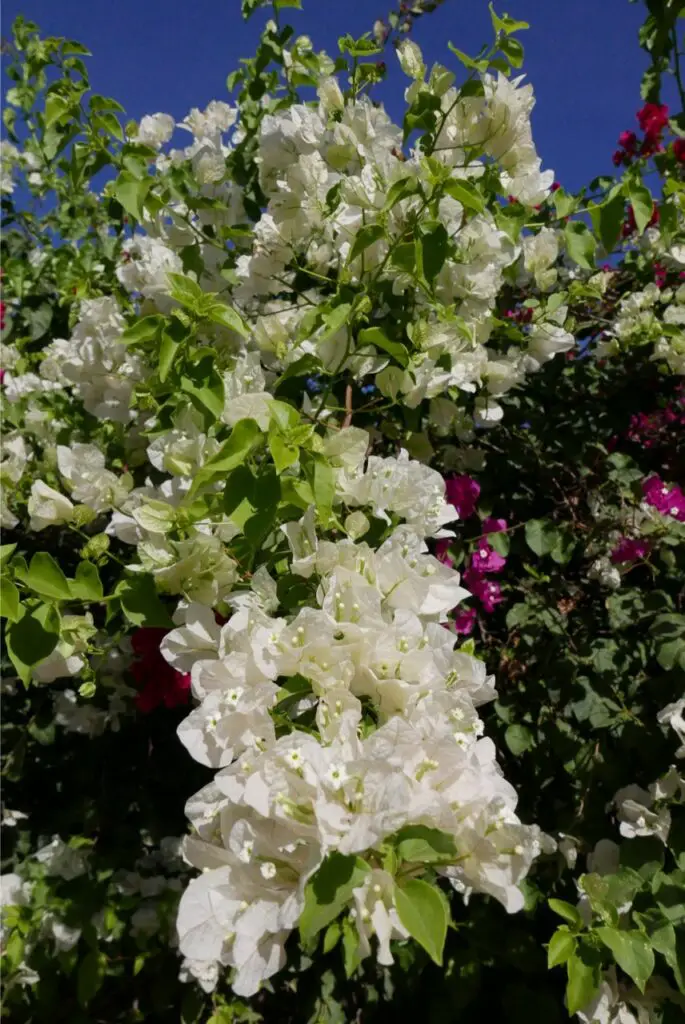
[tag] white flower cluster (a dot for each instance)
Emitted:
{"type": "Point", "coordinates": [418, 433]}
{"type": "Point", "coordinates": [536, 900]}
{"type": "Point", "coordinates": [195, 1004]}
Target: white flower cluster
{"type": "Point", "coordinates": [644, 812]}
{"type": "Point", "coordinates": [307, 153]}
{"type": "Point", "coordinates": [279, 804]}
{"type": "Point", "coordinates": [654, 316]}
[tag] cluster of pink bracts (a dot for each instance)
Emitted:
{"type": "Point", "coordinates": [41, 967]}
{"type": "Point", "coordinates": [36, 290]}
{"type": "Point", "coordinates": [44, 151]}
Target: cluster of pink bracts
{"type": "Point", "coordinates": [463, 493]}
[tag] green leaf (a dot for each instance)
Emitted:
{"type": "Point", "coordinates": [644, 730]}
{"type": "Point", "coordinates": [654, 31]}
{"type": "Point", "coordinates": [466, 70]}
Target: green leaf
{"type": "Point", "coordinates": [109, 122]}
{"type": "Point", "coordinates": [423, 845]}
{"type": "Point", "coordinates": [503, 23]}
{"type": "Point", "coordinates": [583, 982]}
{"type": "Point", "coordinates": [401, 190]}
{"type": "Point", "coordinates": [466, 193]}
{"type": "Point", "coordinates": [518, 738]}
{"type": "Point", "coordinates": [284, 416]}
{"type": "Point", "coordinates": [71, 46]}
{"type": "Point", "coordinates": [33, 637]}
{"type": "Point", "coordinates": [244, 438]}
{"type": "Point", "coordinates": [323, 486]}
{"type": "Point", "coordinates": [434, 248]}
{"type": "Point", "coordinates": [89, 977]}
{"type": "Point", "coordinates": [642, 203]}
{"type": "Point", "coordinates": [468, 62]}
{"type": "Point", "coordinates": [511, 219]}
{"type": "Point", "coordinates": [607, 221]}
{"type": "Point", "coordinates": [541, 536]}
{"type": "Point", "coordinates": [39, 320]}
{"type": "Point", "coordinates": [186, 291]}
{"type": "Point", "coordinates": [283, 454]}
{"type": "Point", "coordinates": [46, 577]}
{"type": "Point", "coordinates": [86, 583]}
{"type": "Point", "coordinates": [205, 386]}
{"type": "Point", "coordinates": [632, 953]}
{"type": "Point", "coordinates": [131, 192]}
{"type": "Point", "coordinates": [352, 956]}
{"type": "Point", "coordinates": [145, 329]}
{"type": "Point", "coordinates": [331, 936]}
{"type": "Point", "coordinates": [6, 552]}
{"type": "Point", "coordinates": [97, 103]}
{"type": "Point", "coordinates": [329, 891]}
{"type": "Point", "coordinates": [567, 911]}
{"type": "Point", "coordinates": [563, 548]}
{"type": "Point", "coordinates": [513, 51]}
{"type": "Point", "coordinates": [580, 244]}
{"type": "Point", "coordinates": [562, 945]}
{"type": "Point", "coordinates": [56, 107]}
{"type": "Point", "coordinates": [9, 600]}
{"type": "Point", "coordinates": [421, 909]}
{"type": "Point", "coordinates": [366, 236]}
{"type": "Point", "coordinates": [404, 257]}
{"type": "Point", "coordinates": [334, 320]}
{"type": "Point", "coordinates": [219, 313]}
{"type": "Point", "coordinates": [377, 337]}
{"type": "Point", "coordinates": [564, 204]}
{"type": "Point", "coordinates": [141, 603]}
{"type": "Point", "coordinates": [172, 337]}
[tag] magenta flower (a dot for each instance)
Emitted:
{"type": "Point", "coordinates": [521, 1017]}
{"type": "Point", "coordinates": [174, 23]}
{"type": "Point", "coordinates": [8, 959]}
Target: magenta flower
{"type": "Point", "coordinates": [656, 493]}
{"type": "Point", "coordinates": [488, 592]}
{"type": "Point", "coordinates": [463, 492]}
{"type": "Point", "coordinates": [491, 525]}
{"type": "Point", "coordinates": [670, 501]}
{"type": "Point", "coordinates": [464, 621]}
{"type": "Point", "coordinates": [628, 550]}
{"type": "Point", "coordinates": [486, 559]}
{"type": "Point", "coordinates": [442, 552]}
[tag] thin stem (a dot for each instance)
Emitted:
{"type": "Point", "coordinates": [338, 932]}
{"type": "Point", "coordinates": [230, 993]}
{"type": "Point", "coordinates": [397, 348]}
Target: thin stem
{"type": "Point", "coordinates": [676, 68]}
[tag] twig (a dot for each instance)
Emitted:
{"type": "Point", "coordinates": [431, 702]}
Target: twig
{"type": "Point", "coordinates": [348, 406]}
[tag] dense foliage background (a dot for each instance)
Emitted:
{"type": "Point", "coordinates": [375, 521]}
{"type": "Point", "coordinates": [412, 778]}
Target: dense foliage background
{"type": "Point", "coordinates": [524, 344]}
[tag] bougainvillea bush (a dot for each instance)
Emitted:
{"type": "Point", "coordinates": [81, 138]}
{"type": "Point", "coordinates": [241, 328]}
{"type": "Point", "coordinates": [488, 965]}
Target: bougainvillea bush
{"type": "Point", "coordinates": [343, 569]}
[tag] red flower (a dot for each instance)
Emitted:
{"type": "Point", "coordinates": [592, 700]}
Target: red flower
{"type": "Point", "coordinates": [159, 682]}
{"type": "Point", "coordinates": [653, 118]}
{"type": "Point", "coordinates": [628, 141]}
{"type": "Point", "coordinates": [3, 310]}
{"type": "Point", "coordinates": [679, 150]}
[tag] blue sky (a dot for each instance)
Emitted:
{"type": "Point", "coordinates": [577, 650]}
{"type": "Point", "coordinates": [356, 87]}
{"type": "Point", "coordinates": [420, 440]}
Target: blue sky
{"type": "Point", "coordinates": [169, 55]}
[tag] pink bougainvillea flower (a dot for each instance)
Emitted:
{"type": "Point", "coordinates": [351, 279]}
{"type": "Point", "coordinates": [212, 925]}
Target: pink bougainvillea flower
{"type": "Point", "coordinates": [670, 501]}
{"type": "Point", "coordinates": [463, 492]}
{"type": "Point", "coordinates": [464, 621]}
{"type": "Point", "coordinates": [442, 552]}
{"type": "Point", "coordinates": [486, 559]}
{"type": "Point", "coordinates": [629, 550]}
{"type": "Point", "coordinates": [491, 525]}
{"type": "Point", "coordinates": [159, 683]}
{"type": "Point", "coordinates": [655, 492]}
{"type": "Point", "coordinates": [488, 592]}
{"type": "Point", "coordinates": [679, 150]}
